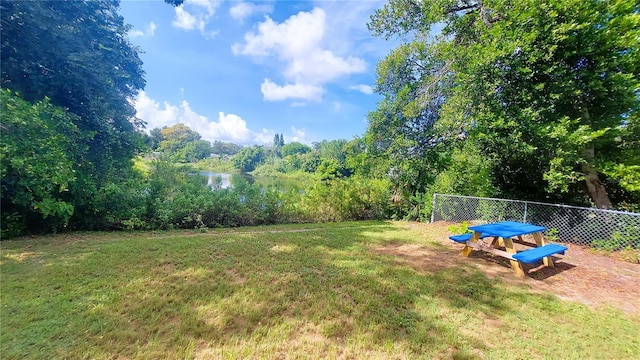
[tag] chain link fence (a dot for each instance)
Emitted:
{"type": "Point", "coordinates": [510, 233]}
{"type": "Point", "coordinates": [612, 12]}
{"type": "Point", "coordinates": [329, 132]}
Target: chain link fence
{"type": "Point", "coordinates": [603, 229]}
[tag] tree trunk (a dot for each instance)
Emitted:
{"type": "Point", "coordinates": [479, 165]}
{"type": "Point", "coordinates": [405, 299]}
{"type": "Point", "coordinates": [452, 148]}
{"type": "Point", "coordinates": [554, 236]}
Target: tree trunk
{"type": "Point", "coordinates": [595, 187]}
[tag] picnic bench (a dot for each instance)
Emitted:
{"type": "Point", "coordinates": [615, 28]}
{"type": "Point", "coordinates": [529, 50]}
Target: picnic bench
{"type": "Point", "coordinates": [503, 234]}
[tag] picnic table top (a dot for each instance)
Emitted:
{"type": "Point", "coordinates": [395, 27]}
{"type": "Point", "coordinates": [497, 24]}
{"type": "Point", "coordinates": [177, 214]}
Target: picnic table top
{"type": "Point", "coordinates": [508, 229]}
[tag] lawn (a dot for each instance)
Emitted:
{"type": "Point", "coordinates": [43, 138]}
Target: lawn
{"type": "Point", "coordinates": [299, 291]}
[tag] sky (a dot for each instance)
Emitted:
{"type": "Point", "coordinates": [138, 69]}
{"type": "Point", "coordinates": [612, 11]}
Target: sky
{"type": "Point", "coordinates": [243, 71]}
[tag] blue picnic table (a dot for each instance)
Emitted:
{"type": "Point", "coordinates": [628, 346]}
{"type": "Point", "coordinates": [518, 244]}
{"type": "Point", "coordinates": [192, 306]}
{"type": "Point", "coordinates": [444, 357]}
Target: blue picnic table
{"type": "Point", "coordinates": [503, 234]}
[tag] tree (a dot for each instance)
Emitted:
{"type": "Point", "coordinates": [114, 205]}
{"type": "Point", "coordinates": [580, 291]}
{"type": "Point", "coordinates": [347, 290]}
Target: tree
{"type": "Point", "coordinates": [175, 138]}
{"type": "Point", "coordinates": [403, 130]}
{"type": "Point", "coordinates": [194, 151]}
{"type": "Point", "coordinates": [248, 158]}
{"type": "Point", "coordinates": [547, 90]}
{"type": "Point", "coordinates": [278, 143]}
{"type": "Point", "coordinates": [73, 61]}
{"type": "Point", "coordinates": [155, 138]}
{"type": "Point", "coordinates": [294, 148]}
{"type": "Point", "coordinates": [36, 175]}
{"type": "Point", "coordinates": [224, 148]}
{"type": "Point", "coordinates": [77, 54]}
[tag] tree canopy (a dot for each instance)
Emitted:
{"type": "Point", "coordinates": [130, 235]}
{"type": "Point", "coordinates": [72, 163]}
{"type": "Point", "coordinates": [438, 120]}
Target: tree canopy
{"type": "Point", "coordinates": [547, 92]}
{"type": "Point", "coordinates": [69, 129]}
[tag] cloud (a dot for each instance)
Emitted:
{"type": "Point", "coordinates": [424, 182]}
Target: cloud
{"type": "Point", "coordinates": [264, 137]}
{"type": "Point", "coordinates": [365, 89]}
{"type": "Point", "coordinates": [195, 14]}
{"type": "Point", "coordinates": [298, 43]}
{"type": "Point", "coordinates": [243, 10]}
{"type": "Point", "coordinates": [298, 135]}
{"type": "Point", "coordinates": [149, 31]}
{"type": "Point", "coordinates": [275, 92]}
{"type": "Point", "coordinates": [227, 127]}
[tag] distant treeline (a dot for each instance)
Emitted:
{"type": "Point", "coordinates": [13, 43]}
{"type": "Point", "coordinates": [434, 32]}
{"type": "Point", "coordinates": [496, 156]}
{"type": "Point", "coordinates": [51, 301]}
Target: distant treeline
{"type": "Point", "coordinates": [524, 100]}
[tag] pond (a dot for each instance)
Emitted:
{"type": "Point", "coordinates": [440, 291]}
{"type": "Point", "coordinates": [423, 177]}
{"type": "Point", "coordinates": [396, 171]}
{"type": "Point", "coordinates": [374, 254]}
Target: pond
{"type": "Point", "coordinates": [265, 182]}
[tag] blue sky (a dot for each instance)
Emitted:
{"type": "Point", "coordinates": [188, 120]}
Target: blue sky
{"type": "Point", "coordinates": [242, 71]}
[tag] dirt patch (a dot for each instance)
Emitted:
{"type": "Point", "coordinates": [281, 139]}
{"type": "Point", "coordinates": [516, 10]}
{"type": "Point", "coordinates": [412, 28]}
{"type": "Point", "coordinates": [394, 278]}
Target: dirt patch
{"type": "Point", "coordinates": [581, 275]}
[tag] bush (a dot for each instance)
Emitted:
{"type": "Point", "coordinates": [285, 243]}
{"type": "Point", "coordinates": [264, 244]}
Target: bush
{"type": "Point", "coordinates": [352, 198]}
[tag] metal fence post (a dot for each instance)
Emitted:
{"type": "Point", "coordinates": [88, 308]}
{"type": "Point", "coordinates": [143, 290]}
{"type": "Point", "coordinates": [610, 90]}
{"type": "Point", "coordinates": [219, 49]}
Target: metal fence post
{"type": "Point", "coordinates": [433, 206]}
{"type": "Point", "coordinates": [525, 211]}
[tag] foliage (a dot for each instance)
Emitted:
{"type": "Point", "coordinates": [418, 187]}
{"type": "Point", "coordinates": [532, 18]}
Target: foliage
{"type": "Point", "coordinates": [71, 60]}
{"type": "Point", "coordinates": [330, 169]}
{"type": "Point", "coordinates": [468, 172]}
{"type": "Point", "coordinates": [278, 143]}
{"type": "Point", "coordinates": [459, 228]}
{"type": "Point", "coordinates": [547, 91]}
{"type": "Point", "coordinates": [248, 158]}
{"type": "Point", "coordinates": [224, 148]}
{"type": "Point", "coordinates": [402, 131]}
{"type": "Point", "coordinates": [351, 198]}
{"type": "Point", "coordinates": [77, 54]}
{"type": "Point", "coordinates": [36, 175]}
{"type": "Point", "coordinates": [293, 148]}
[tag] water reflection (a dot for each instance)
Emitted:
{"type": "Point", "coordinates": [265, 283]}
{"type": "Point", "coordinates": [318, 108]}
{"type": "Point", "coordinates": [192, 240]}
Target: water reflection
{"type": "Point", "coordinates": [217, 180]}
{"type": "Point", "coordinates": [226, 181]}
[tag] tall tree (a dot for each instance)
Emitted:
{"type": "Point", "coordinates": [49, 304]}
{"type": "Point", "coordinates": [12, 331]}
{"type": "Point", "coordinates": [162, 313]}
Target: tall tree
{"type": "Point", "coordinates": [548, 90]}
{"type": "Point", "coordinates": [77, 54]}
{"type": "Point", "coordinates": [72, 60]}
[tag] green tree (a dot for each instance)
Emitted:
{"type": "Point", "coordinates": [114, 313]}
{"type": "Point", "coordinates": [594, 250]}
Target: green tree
{"type": "Point", "coordinates": [547, 90]}
{"type": "Point", "coordinates": [294, 148]}
{"type": "Point", "coordinates": [248, 158]}
{"type": "Point", "coordinates": [175, 139]}
{"type": "Point", "coordinates": [224, 148]}
{"type": "Point", "coordinates": [77, 54]}
{"type": "Point", "coordinates": [155, 138]}
{"type": "Point", "coordinates": [194, 151]}
{"type": "Point", "coordinates": [36, 175]}
{"type": "Point", "coordinates": [278, 143]}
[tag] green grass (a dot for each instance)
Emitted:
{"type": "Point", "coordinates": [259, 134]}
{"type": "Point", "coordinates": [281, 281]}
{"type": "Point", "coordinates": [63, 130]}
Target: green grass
{"type": "Point", "coordinates": [304, 291]}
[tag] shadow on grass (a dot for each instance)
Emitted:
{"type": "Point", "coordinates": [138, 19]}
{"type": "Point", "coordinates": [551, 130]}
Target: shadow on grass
{"type": "Point", "coordinates": [160, 297]}
{"type": "Point", "coordinates": [535, 271]}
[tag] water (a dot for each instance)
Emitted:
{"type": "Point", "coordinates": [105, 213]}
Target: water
{"type": "Point", "coordinates": [265, 182]}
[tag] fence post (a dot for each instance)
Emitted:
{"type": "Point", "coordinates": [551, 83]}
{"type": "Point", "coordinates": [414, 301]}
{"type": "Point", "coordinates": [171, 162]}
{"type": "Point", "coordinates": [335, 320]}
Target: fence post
{"type": "Point", "coordinates": [433, 206]}
{"type": "Point", "coordinates": [525, 211]}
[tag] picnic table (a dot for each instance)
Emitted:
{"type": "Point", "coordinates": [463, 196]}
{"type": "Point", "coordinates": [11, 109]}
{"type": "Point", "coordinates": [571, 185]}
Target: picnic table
{"type": "Point", "coordinates": [502, 234]}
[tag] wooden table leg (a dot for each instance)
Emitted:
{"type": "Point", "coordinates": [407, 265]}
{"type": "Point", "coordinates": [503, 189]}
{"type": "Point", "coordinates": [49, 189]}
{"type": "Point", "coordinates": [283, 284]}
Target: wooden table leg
{"type": "Point", "coordinates": [516, 265]}
{"type": "Point", "coordinates": [497, 242]}
{"type": "Point", "coordinates": [547, 261]}
{"type": "Point", "coordinates": [467, 249]}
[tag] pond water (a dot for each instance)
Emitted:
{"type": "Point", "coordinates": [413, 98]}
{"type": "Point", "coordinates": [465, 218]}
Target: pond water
{"type": "Point", "coordinates": [265, 182]}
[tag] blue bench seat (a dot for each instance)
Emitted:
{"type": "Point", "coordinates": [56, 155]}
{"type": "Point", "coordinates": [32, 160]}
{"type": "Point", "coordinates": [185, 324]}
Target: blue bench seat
{"type": "Point", "coordinates": [463, 238]}
{"type": "Point", "coordinates": [536, 254]}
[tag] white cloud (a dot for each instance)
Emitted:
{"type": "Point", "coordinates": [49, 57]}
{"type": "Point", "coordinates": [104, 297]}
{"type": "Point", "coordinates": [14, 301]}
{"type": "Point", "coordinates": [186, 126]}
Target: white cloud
{"type": "Point", "coordinates": [228, 127]}
{"type": "Point", "coordinates": [149, 31]}
{"type": "Point", "coordinates": [274, 92]}
{"type": "Point", "coordinates": [243, 10]}
{"type": "Point", "coordinates": [195, 14]}
{"type": "Point", "coordinates": [184, 20]}
{"type": "Point", "coordinates": [264, 137]}
{"type": "Point", "coordinates": [365, 89]}
{"type": "Point", "coordinates": [298, 42]}
{"type": "Point", "coordinates": [298, 135]}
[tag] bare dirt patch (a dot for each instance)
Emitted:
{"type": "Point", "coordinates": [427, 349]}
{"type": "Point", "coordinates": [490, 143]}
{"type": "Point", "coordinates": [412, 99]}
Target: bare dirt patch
{"type": "Point", "coordinates": [581, 275]}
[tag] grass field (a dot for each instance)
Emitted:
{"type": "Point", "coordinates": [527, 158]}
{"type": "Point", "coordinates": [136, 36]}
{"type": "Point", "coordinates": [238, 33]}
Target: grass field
{"type": "Point", "coordinates": [299, 291]}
